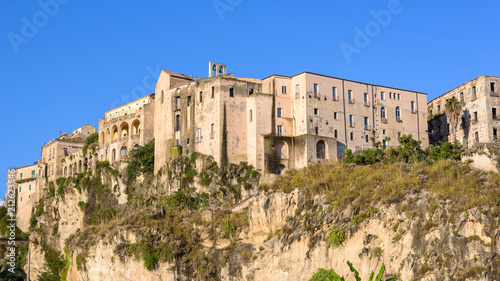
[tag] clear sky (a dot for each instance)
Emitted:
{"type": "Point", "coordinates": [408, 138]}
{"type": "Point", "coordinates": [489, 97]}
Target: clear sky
{"type": "Point", "coordinates": [64, 63]}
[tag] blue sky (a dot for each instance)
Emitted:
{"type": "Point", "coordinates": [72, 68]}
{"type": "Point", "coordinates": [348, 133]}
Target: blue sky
{"type": "Point", "coordinates": [64, 65]}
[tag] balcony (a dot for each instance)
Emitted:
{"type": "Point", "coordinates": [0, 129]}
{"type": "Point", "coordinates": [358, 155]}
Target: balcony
{"type": "Point", "coordinates": [367, 103]}
{"type": "Point", "coordinates": [474, 121]}
{"type": "Point", "coordinates": [352, 124]}
{"type": "Point", "coordinates": [413, 111]}
{"type": "Point", "coordinates": [398, 118]}
{"type": "Point", "coordinates": [383, 120]}
{"type": "Point", "coordinates": [351, 100]}
{"type": "Point", "coordinates": [494, 94]}
{"type": "Point", "coordinates": [368, 127]}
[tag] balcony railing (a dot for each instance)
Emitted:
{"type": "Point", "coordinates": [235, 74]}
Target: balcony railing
{"type": "Point", "coordinates": [367, 103]}
{"type": "Point", "coordinates": [352, 124]}
{"type": "Point", "coordinates": [384, 120]}
{"type": "Point", "coordinates": [351, 100]}
{"type": "Point", "coordinates": [474, 121]}
{"type": "Point", "coordinates": [368, 127]}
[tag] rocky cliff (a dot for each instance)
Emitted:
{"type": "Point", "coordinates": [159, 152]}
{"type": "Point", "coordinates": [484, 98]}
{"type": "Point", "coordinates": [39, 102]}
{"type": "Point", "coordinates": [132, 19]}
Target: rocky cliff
{"type": "Point", "coordinates": [198, 221]}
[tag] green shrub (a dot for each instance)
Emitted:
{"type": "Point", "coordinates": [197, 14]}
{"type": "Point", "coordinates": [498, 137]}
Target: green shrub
{"type": "Point", "coordinates": [52, 190]}
{"type": "Point", "coordinates": [326, 275]}
{"type": "Point", "coordinates": [229, 229]}
{"type": "Point", "coordinates": [54, 263]}
{"type": "Point", "coordinates": [89, 141]}
{"type": "Point", "coordinates": [336, 236]}
{"type": "Point", "coordinates": [362, 216]}
{"type": "Point", "coordinates": [205, 179]}
{"type": "Point", "coordinates": [141, 160]}
{"type": "Point", "coordinates": [81, 204]}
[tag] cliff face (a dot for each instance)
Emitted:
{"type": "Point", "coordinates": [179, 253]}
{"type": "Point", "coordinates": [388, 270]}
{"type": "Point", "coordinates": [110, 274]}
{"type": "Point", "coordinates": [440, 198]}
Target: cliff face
{"type": "Point", "coordinates": [196, 221]}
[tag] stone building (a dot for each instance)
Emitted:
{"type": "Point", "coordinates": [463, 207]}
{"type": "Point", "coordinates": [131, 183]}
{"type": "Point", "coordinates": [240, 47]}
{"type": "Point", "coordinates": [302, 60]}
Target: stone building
{"type": "Point", "coordinates": [479, 120]}
{"type": "Point", "coordinates": [126, 127]}
{"type": "Point", "coordinates": [279, 122]}
{"type": "Point", "coordinates": [29, 186]}
{"type": "Point", "coordinates": [54, 151]}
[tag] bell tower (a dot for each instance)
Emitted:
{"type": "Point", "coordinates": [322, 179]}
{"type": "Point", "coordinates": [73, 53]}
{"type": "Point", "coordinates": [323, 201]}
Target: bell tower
{"type": "Point", "coordinates": [216, 69]}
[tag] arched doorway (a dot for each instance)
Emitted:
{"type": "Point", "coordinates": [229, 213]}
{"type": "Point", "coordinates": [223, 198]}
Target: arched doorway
{"type": "Point", "coordinates": [281, 150]}
{"type": "Point", "coordinates": [321, 149]}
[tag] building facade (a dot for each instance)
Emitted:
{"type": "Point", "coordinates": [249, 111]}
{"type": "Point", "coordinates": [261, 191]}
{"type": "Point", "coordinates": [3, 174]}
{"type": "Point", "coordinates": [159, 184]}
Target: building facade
{"type": "Point", "coordinates": [479, 118]}
{"type": "Point", "coordinates": [280, 122]}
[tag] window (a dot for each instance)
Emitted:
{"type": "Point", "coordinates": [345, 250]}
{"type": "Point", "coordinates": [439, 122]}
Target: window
{"type": "Point", "coordinates": [177, 142]}
{"type": "Point", "coordinates": [366, 138]}
{"type": "Point", "coordinates": [365, 98]}
{"type": "Point", "coordinates": [283, 90]}
{"type": "Point", "coordinates": [439, 109]}
{"type": "Point", "coordinates": [474, 92]}
{"type": "Point", "coordinates": [19, 188]}
{"type": "Point", "coordinates": [316, 111]}
{"type": "Point", "coordinates": [250, 92]}
{"type": "Point", "coordinates": [33, 172]}
{"type": "Point", "coordinates": [123, 151]}
{"type": "Point", "coordinates": [297, 91]}
{"type": "Point", "coordinates": [476, 136]}
{"type": "Point", "coordinates": [382, 112]}
{"type": "Point", "coordinates": [187, 141]}
{"type": "Point", "coordinates": [334, 93]}
{"type": "Point", "coordinates": [278, 113]}
{"type": "Point", "coordinates": [250, 117]}
{"type": "Point", "coordinates": [201, 96]}
{"type": "Point", "coordinates": [316, 130]}
{"type": "Point", "coordinates": [351, 120]}
{"type": "Point", "coordinates": [390, 95]}
{"type": "Point", "coordinates": [413, 107]}
{"type": "Point", "coordinates": [315, 90]}
{"type": "Point", "coordinates": [189, 101]}
{"type": "Point", "coordinates": [21, 176]}
{"type": "Point", "coordinates": [335, 133]}
{"type": "Point", "coordinates": [177, 102]}
{"type": "Point", "coordinates": [350, 96]}
{"type": "Point", "coordinates": [399, 96]}
{"type": "Point", "coordinates": [212, 133]}
{"type": "Point", "coordinates": [399, 134]}
{"type": "Point", "coordinates": [336, 115]}
{"type": "Point", "coordinates": [199, 134]}
{"type": "Point", "coordinates": [213, 92]}
{"type": "Point", "coordinates": [398, 113]}
{"type": "Point", "coordinates": [352, 136]}
{"type": "Point", "coordinates": [162, 97]}
{"type": "Point", "coordinates": [366, 122]}
{"type": "Point", "coordinates": [492, 86]}
{"type": "Point", "coordinates": [30, 187]}
{"type": "Point", "coordinates": [231, 92]}
{"type": "Point", "coordinates": [494, 133]}
{"type": "Point", "coordinates": [177, 122]}
{"type": "Point", "coordinates": [382, 95]}
{"type": "Point", "coordinates": [280, 130]}
{"type": "Point", "coordinates": [475, 116]}
{"type": "Point", "coordinates": [462, 97]}
{"type": "Point", "coordinates": [494, 113]}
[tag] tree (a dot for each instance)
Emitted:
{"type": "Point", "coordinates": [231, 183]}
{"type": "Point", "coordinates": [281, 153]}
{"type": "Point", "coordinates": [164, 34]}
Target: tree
{"type": "Point", "coordinates": [453, 110]}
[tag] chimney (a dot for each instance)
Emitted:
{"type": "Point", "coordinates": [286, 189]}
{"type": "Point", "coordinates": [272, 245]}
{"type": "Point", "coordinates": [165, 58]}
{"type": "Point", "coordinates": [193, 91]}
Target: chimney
{"type": "Point", "coordinates": [59, 133]}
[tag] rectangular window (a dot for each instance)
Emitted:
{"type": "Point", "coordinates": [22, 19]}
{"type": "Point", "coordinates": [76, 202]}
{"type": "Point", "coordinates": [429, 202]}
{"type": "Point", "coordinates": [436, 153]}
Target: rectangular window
{"type": "Point", "coordinates": [366, 122]}
{"type": "Point", "coordinates": [351, 120]}
{"type": "Point", "coordinates": [366, 138]}
{"type": "Point", "coordinates": [474, 92]}
{"type": "Point", "coordinates": [177, 102]}
{"type": "Point", "coordinates": [176, 143]}
{"type": "Point", "coordinates": [212, 131]}
{"type": "Point", "coordinates": [316, 130]}
{"type": "Point", "coordinates": [365, 98]}
{"type": "Point", "coordinates": [201, 96]}
{"type": "Point", "coordinates": [250, 92]}
{"type": "Point", "coordinates": [213, 92]}
{"type": "Point", "coordinates": [475, 116]}
{"type": "Point", "coordinates": [335, 134]}
{"type": "Point", "coordinates": [187, 141]}
{"type": "Point", "coordinates": [231, 92]}
{"type": "Point", "coordinates": [492, 86]}
{"type": "Point", "coordinates": [199, 134]}
{"type": "Point", "coordinates": [177, 122]}
{"type": "Point", "coordinates": [283, 90]}
{"type": "Point", "coordinates": [316, 111]}
{"type": "Point", "coordinates": [336, 115]}
{"type": "Point", "coordinates": [33, 173]}
{"type": "Point", "coordinates": [334, 93]}
{"type": "Point", "coordinates": [19, 188]}
{"type": "Point", "coordinates": [350, 96]}
{"type": "Point", "coordinates": [297, 91]}
{"type": "Point", "coordinates": [21, 176]}
{"type": "Point", "coordinates": [413, 107]}
{"type": "Point", "coordinates": [494, 133]}
{"type": "Point", "coordinates": [399, 96]}
{"type": "Point", "coordinates": [494, 113]}
{"type": "Point", "coordinates": [189, 101]}
{"type": "Point", "coordinates": [462, 97]}
{"type": "Point", "coordinates": [250, 115]}
{"type": "Point", "coordinates": [280, 130]}
{"type": "Point", "coordinates": [382, 95]}
{"type": "Point", "coordinates": [30, 187]}
{"type": "Point", "coordinates": [278, 113]}
{"type": "Point", "coordinates": [315, 90]}
{"type": "Point", "coordinates": [390, 95]}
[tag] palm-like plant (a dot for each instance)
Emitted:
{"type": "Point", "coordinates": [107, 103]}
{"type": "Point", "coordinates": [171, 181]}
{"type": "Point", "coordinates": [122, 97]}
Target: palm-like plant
{"type": "Point", "coordinates": [453, 110]}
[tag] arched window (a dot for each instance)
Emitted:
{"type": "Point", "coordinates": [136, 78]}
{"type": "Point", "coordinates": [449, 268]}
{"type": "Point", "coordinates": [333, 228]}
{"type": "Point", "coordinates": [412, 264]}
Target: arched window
{"type": "Point", "coordinates": [281, 150]}
{"type": "Point", "coordinates": [70, 169]}
{"type": "Point", "coordinates": [114, 132]}
{"type": "Point", "coordinates": [136, 127]}
{"type": "Point", "coordinates": [398, 113]}
{"type": "Point", "coordinates": [320, 149]}
{"type": "Point", "coordinates": [123, 151]}
{"type": "Point", "coordinates": [106, 138]}
{"type": "Point", "coordinates": [113, 155]}
{"type": "Point", "coordinates": [102, 138]}
{"type": "Point", "coordinates": [80, 166]}
{"type": "Point", "coordinates": [250, 117]}
{"type": "Point", "coordinates": [65, 171]}
{"type": "Point", "coordinates": [382, 112]}
{"type": "Point", "coordinates": [123, 129]}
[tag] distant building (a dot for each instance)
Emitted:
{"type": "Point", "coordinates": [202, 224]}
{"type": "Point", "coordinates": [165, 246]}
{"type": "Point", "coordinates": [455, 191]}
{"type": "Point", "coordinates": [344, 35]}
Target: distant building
{"type": "Point", "coordinates": [479, 120]}
{"type": "Point", "coordinates": [280, 122]}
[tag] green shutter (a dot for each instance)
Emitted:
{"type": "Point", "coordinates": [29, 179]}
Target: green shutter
{"type": "Point", "coordinates": [19, 189]}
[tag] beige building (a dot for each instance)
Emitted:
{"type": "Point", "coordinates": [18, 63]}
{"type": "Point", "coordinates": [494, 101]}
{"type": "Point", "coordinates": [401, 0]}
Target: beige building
{"type": "Point", "coordinates": [479, 120]}
{"type": "Point", "coordinates": [279, 122]}
{"type": "Point", "coordinates": [126, 127]}
{"type": "Point", "coordinates": [55, 151]}
{"type": "Point", "coordinates": [29, 185]}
